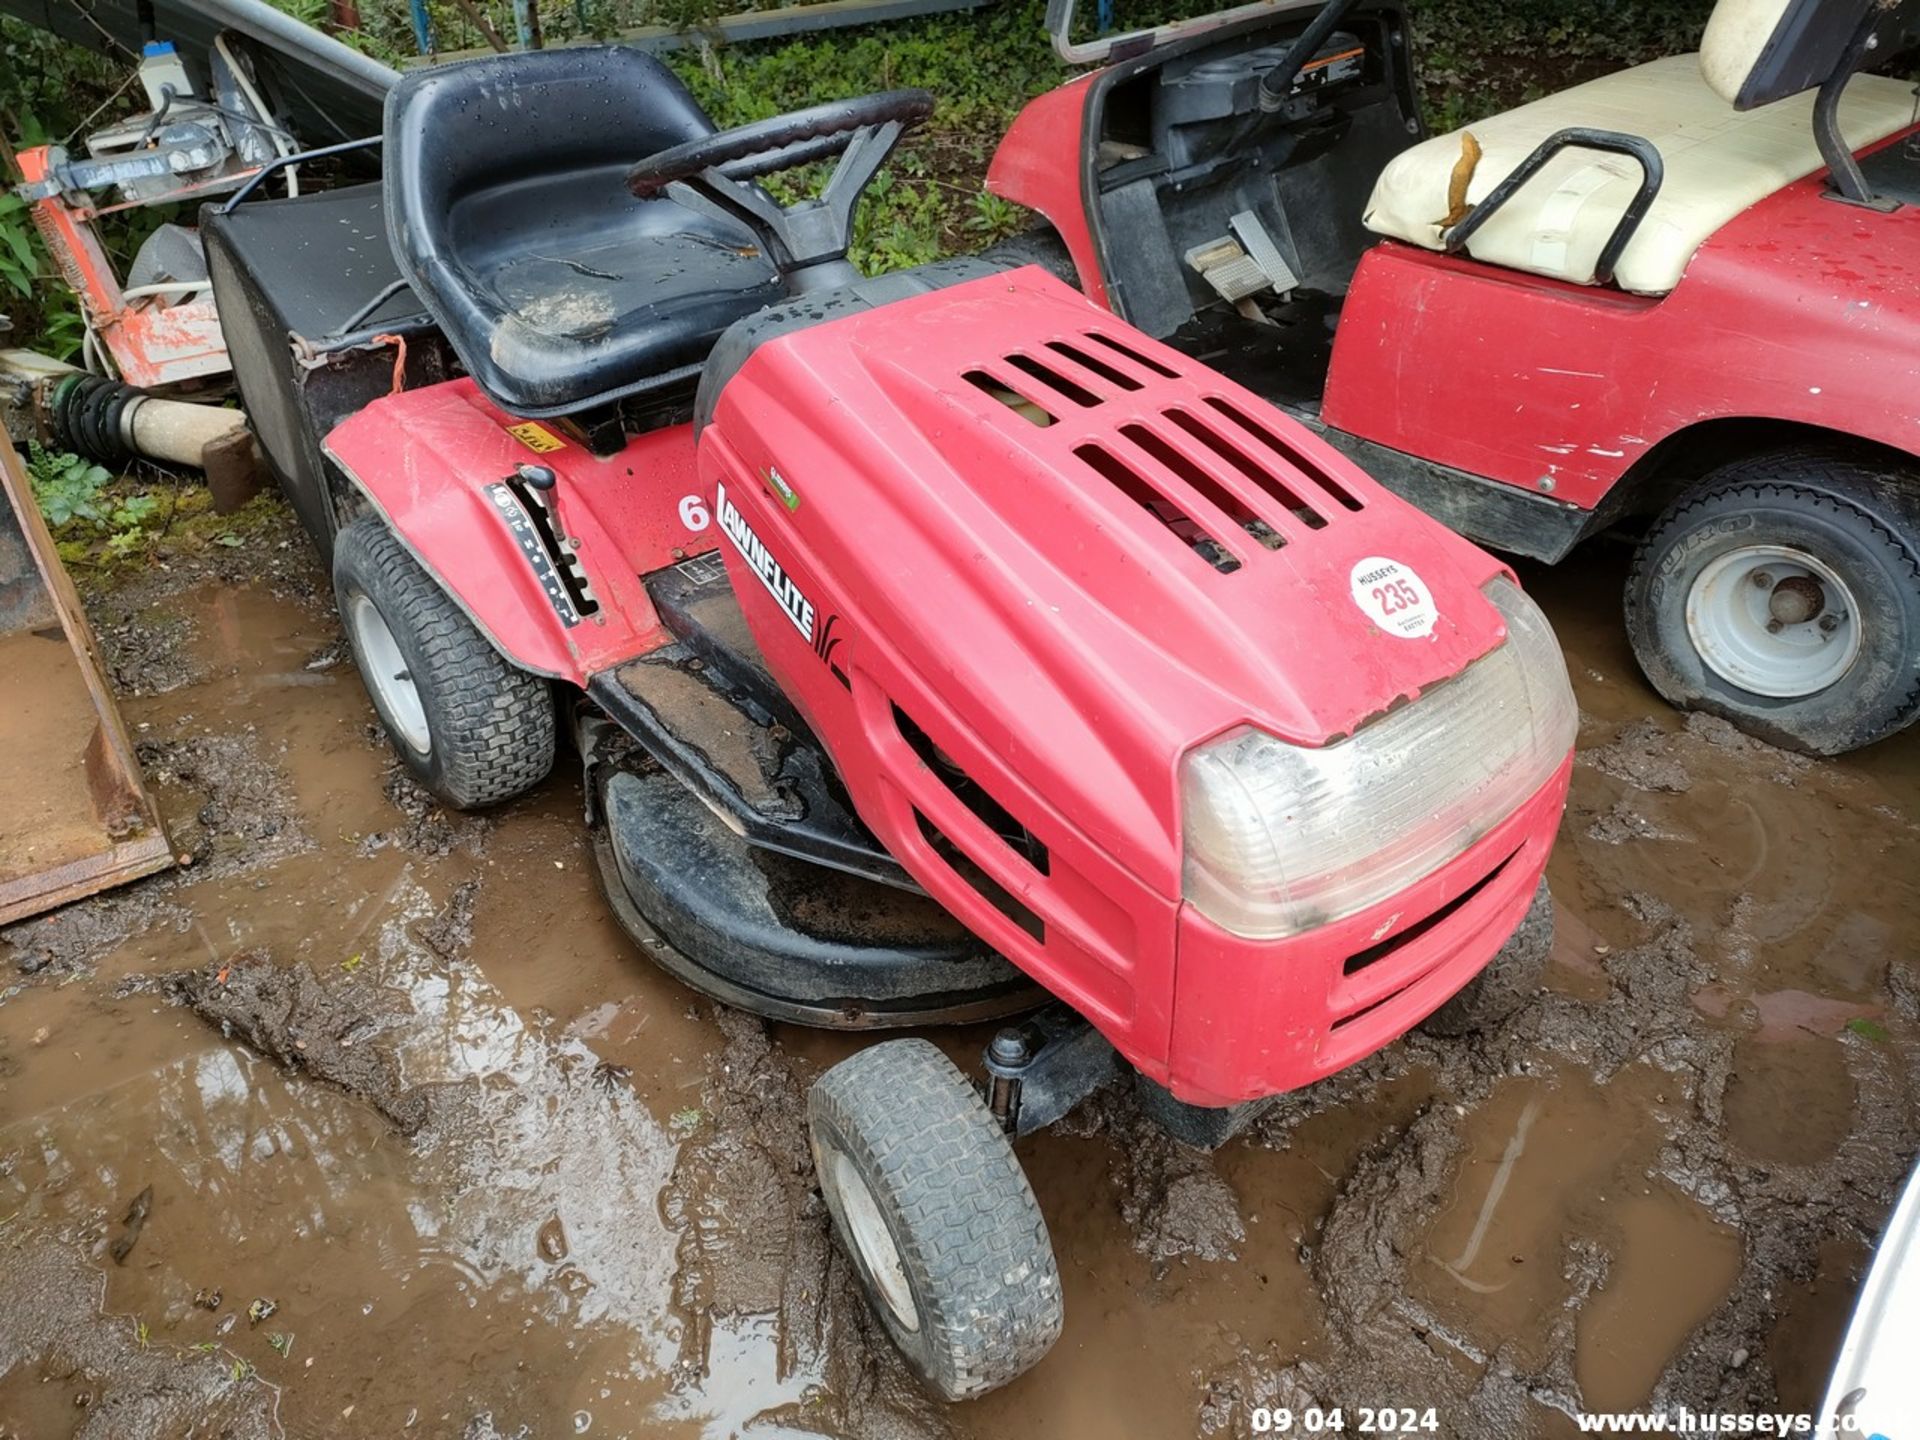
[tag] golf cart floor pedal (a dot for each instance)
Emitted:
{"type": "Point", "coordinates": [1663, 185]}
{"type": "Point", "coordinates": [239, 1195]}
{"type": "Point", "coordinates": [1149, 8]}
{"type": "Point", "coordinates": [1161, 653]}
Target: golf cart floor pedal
{"type": "Point", "coordinates": [1232, 272]}
{"type": "Point", "coordinates": [1253, 237]}
{"type": "Point", "coordinates": [1243, 262]}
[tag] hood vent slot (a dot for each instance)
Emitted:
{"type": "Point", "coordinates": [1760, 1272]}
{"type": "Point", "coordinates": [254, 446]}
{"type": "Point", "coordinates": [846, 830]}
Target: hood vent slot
{"type": "Point", "coordinates": [1210, 489]}
{"type": "Point", "coordinates": [1260, 475]}
{"type": "Point", "coordinates": [964, 789]}
{"type": "Point", "coordinates": [996, 390]}
{"type": "Point", "coordinates": [983, 884]}
{"type": "Point", "coordinates": [1162, 507]}
{"type": "Point", "coordinates": [1286, 452]}
{"type": "Point", "coordinates": [1094, 366]}
{"type": "Point", "coordinates": [1054, 380]}
{"type": "Point", "coordinates": [1152, 367]}
{"type": "Point", "coordinates": [970, 792]}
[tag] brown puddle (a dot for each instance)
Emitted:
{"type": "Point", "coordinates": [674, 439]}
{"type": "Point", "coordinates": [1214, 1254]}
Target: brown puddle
{"type": "Point", "coordinates": [605, 1223]}
{"type": "Point", "coordinates": [1552, 1166]}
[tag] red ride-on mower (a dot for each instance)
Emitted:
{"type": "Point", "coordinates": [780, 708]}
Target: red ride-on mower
{"type": "Point", "coordinates": [1685, 296]}
{"type": "Point", "coordinates": [933, 644]}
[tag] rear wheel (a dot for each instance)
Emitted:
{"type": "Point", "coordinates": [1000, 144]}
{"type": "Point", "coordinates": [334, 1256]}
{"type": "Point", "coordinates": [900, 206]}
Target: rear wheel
{"type": "Point", "coordinates": [1784, 595]}
{"type": "Point", "coordinates": [470, 727]}
{"type": "Point", "coordinates": [930, 1203]}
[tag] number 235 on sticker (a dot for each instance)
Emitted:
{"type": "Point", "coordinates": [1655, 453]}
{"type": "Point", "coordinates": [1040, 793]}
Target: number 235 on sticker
{"type": "Point", "coordinates": [1391, 595]}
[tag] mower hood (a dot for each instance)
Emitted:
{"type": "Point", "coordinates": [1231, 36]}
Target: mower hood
{"type": "Point", "coordinates": [1035, 528]}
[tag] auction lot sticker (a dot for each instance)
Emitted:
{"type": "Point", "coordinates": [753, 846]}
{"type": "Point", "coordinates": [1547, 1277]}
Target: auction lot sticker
{"type": "Point", "coordinates": [1393, 597]}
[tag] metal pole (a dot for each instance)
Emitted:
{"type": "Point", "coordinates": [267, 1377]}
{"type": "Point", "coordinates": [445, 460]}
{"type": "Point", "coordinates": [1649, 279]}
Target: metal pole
{"type": "Point", "coordinates": [278, 30]}
{"type": "Point", "coordinates": [422, 26]}
{"type": "Point", "coordinates": [526, 19]}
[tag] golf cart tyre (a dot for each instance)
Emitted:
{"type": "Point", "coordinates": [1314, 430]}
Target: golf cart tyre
{"type": "Point", "coordinates": [1850, 517]}
{"type": "Point", "coordinates": [1507, 981]}
{"type": "Point", "coordinates": [489, 726]}
{"type": "Point", "coordinates": [903, 1141]}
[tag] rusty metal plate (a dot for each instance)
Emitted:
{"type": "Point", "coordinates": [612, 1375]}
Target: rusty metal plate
{"type": "Point", "coordinates": [75, 816]}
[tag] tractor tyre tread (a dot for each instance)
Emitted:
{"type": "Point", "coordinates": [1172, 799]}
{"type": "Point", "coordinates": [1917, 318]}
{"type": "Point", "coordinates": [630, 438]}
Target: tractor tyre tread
{"type": "Point", "coordinates": [492, 724]}
{"type": "Point", "coordinates": [969, 1231]}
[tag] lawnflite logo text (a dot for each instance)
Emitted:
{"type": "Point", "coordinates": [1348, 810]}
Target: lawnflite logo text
{"type": "Point", "coordinates": [760, 560]}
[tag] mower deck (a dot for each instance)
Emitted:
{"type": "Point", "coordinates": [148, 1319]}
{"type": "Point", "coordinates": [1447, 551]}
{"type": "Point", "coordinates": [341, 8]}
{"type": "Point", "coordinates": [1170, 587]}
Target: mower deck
{"type": "Point", "coordinates": [734, 844]}
{"type": "Point", "coordinates": [707, 710]}
{"type": "Point", "coordinates": [782, 937]}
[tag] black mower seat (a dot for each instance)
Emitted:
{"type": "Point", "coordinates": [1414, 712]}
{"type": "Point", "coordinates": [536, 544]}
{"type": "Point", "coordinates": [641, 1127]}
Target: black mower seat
{"type": "Point", "coordinates": [508, 211]}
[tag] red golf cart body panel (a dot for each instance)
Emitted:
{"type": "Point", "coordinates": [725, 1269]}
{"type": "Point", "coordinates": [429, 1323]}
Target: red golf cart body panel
{"type": "Point", "coordinates": [1038, 164]}
{"type": "Point", "coordinates": [927, 550]}
{"type": "Point", "coordinates": [1801, 309]}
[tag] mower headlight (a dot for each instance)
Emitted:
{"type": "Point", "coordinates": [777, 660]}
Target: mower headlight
{"type": "Point", "coordinates": [1280, 838]}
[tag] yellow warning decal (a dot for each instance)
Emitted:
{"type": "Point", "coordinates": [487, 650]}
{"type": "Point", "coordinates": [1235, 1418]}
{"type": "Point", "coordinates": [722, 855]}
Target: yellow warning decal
{"type": "Point", "coordinates": [536, 438]}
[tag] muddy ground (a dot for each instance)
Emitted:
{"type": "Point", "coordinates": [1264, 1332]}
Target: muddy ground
{"type": "Point", "coordinates": [370, 1122]}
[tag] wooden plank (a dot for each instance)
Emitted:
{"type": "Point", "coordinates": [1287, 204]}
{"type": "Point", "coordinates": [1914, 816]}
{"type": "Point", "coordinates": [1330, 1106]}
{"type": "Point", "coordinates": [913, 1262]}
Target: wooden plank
{"type": "Point", "coordinates": [108, 830]}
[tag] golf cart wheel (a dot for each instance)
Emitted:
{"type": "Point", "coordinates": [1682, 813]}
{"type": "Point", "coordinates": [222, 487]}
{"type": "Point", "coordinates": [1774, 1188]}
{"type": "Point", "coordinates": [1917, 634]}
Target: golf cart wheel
{"type": "Point", "coordinates": [470, 727]}
{"type": "Point", "coordinates": [1508, 981]}
{"type": "Point", "coordinates": [930, 1203]}
{"type": "Point", "coordinates": [1784, 596]}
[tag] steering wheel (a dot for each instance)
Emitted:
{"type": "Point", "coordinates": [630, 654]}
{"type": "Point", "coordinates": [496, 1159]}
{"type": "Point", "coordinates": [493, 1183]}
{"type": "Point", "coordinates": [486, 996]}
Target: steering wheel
{"type": "Point", "coordinates": [806, 241]}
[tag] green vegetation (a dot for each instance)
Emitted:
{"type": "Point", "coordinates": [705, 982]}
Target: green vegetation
{"type": "Point", "coordinates": [67, 487]}
{"type": "Point", "coordinates": [96, 518]}
{"type": "Point", "coordinates": [105, 525]}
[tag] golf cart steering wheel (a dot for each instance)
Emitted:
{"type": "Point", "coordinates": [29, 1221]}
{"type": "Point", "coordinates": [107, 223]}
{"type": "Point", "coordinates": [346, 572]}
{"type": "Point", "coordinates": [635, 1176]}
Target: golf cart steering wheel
{"type": "Point", "coordinates": [806, 241]}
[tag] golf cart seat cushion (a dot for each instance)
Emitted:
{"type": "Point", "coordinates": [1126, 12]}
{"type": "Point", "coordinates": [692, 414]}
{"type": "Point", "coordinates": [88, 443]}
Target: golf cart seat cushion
{"type": "Point", "coordinates": [508, 210]}
{"type": "Point", "coordinates": [1719, 161]}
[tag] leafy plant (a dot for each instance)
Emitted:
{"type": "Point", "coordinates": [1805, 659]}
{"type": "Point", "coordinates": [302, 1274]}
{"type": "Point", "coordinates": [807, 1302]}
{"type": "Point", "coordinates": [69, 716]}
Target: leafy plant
{"type": "Point", "coordinates": [19, 255]}
{"type": "Point", "coordinates": [66, 486]}
{"type": "Point", "coordinates": [995, 219]}
{"type": "Point", "coordinates": [85, 505]}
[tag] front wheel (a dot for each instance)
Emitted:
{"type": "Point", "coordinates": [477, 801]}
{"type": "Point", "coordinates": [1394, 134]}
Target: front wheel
{"type": "Point", "coordinates": [930, 1203]}
{"type": "Point", "coordinates": [467, 725]}
{"type": "Point", "coordinates": [1784, 596]}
